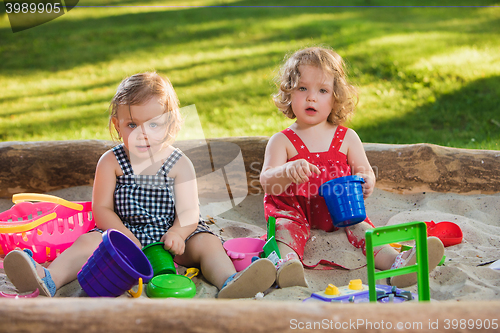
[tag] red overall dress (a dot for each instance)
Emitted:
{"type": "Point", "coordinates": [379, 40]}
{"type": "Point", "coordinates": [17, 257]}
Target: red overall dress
{"type": "Point", "coordinates": [300, 208]}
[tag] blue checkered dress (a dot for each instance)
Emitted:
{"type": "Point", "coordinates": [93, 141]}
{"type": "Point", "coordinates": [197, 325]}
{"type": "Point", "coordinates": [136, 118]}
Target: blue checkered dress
{"type": "Point", "coordinates": [145, 203]}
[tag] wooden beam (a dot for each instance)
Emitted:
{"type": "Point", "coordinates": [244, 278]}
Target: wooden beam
{"type": "Point", "coordinates": [426, 167]}
{"type": "Point", "coordinates": [47, 166]}
{"type": "Point", "coordinates": [122, 315]}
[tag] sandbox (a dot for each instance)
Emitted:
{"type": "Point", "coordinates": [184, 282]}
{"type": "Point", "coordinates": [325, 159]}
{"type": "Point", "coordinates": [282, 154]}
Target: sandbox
{"type": "Point", "coordinates": [414, 182]}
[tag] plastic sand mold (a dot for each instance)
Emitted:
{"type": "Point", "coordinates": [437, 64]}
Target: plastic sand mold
{"type": "Point", "coordinates": [448, 232]}
{"type": "Point", "coordinates": [173, 285]}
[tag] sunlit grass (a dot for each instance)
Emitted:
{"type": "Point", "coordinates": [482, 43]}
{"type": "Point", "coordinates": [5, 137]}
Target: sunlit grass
{"type": "Point", "coordinates": [424, 74]}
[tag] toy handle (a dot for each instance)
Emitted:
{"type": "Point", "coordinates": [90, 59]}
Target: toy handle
{"type": "Point", "coordinates": [139, 290]}
{"type": "Point", "coordinates": [27, 226]}
{"type": "Point", "coordinates": [192, 272]}
{"type": "Point", "coordinates": [235, 255]}
{"type": "Point", "coordinates": [21, 197]}
{"type": "Point", "coordinates": [271, 227]}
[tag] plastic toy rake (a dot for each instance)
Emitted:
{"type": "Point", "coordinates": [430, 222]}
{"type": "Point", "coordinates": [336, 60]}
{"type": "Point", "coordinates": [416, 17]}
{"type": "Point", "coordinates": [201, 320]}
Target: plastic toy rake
{"type": "Point", "coordinates": [47, 226]}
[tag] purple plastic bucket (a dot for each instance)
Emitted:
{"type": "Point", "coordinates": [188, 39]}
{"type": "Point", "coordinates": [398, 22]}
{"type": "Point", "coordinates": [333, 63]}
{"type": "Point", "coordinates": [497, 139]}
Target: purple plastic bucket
{"type": "Point", "coordinates": [115, 267]}
{"type": "Point", "coordinates": [344, 199]}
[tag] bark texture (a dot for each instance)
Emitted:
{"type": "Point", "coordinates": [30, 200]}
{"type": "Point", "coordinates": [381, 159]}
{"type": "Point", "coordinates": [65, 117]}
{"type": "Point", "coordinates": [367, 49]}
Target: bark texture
{"type": "Point", "coordinates": [176, 315]}
{"type": "Point", "coordinates": [46, 166]}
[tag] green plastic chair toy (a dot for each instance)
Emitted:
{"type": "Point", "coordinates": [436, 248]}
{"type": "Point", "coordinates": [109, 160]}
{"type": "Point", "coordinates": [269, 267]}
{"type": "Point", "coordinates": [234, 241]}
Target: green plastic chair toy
{"type": "Point", "coordinates": [399, 233]}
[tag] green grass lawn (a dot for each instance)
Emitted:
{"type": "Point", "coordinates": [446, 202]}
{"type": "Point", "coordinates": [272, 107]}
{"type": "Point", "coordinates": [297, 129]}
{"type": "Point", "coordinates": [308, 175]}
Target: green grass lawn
{"type": "Point", "coordinates": [424, 74]}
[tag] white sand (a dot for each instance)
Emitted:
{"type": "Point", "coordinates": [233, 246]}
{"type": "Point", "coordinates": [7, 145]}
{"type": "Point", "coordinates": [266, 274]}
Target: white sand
{"type": "Point", "coordinates": [460, 278]}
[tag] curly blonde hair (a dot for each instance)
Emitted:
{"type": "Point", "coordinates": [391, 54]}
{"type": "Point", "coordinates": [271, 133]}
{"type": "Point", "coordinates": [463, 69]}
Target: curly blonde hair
{"type": "Point", "coordinates": [344, 93]}
{"type": "Point", "coordinates": [139, 89]}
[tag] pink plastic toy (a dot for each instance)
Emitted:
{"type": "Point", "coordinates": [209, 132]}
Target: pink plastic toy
{"type": "Point", "coordinates": [47, 227]}
{"type": "Point", "coordinates": [32, 295]}
{"type": "Point", "coordinates": [242, 250]}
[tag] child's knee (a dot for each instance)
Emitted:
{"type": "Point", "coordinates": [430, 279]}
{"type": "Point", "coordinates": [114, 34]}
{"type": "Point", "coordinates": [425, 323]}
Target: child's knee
{"type": "Point", "coordinates": [90, 239]}
{"type": "Point", "coordinates": [285, 249]}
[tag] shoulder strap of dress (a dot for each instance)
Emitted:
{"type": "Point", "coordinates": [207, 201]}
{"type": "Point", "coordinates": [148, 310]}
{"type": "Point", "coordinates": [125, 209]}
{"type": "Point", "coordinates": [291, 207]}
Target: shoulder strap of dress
{"type": "Point", "coordinates": [295, 140]}
{"type": "Point", "coordinates": [170, 161]}
{"type": "Point", "coordinates": [121, 157]}
{"type": "Point", "coordinates": [338, 137]}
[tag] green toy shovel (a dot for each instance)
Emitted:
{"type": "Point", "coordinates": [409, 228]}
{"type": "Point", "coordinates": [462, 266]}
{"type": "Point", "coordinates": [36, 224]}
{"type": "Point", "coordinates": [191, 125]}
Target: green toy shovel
{"type": "Point", "coordinates": [271, 250]}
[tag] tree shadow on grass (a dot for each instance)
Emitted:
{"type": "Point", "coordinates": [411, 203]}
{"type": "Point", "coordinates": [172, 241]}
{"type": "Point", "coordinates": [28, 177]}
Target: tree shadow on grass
{"type": "Point", "coordinates": [83, 87]}
{"type": "Point", "coordinates": [468, 117]}
{"type": "Point", "coordinates": [36, 128]}
{"type": "Point", "coordinates": [63, 44]}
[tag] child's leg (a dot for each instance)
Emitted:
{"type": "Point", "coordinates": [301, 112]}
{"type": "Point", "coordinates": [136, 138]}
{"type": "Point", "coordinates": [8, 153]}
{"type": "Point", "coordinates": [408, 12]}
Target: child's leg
{"type": "Point", "coordinates": [291, 236]}
{"type": "Point", "coordinates": [286, 250]}
{"type": "Point", "coordinates": [66, 266]}
{"type": "Point", "coordinates": [291, 272]}
{"type": "Point", "coordinates": [292, 232]}
{"type": "Point", "coordinates": [435, 250]}
{"type": "Point", "coordinates": [205, 250]}
{"type": "Point", "coordinates": [256, 278]}
{"type": "Point", "coordinates": [26, 274]}
{"type": "Point", "coordinates": [386, 257]}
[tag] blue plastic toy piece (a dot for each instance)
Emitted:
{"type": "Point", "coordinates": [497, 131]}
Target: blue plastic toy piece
{"type": "Point", "coordinates": [385, 294]}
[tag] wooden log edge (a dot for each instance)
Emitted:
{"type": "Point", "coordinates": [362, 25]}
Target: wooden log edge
{"type": "Point", "coordinates": [46, 166]}
{"type": "Point", "coordinates": [177, 315]}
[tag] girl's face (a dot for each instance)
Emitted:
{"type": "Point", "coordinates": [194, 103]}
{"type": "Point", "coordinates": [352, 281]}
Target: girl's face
{"type": "Point", "coordinates": [142, 127]}
{"type": "Point", "coordinates": [313, 99]}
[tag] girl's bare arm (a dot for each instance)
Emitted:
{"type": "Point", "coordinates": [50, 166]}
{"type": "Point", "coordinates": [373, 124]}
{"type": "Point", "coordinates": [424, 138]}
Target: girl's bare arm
{"type": "Point", "coordinates": [356, 157]}
{"type": "Point", "coordinates": [186, 206]}
{"type": "Point", "coordinates": [103, 196]}
{"type": "Point", "coordinates": [277, 174]}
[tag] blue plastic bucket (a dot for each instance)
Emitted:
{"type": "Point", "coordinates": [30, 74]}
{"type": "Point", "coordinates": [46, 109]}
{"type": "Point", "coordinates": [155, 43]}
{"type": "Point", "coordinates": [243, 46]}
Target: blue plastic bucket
{"type": "Point", "coordinates": [114, 267]}
{"type": "Point", "coordinates": [344, 199]}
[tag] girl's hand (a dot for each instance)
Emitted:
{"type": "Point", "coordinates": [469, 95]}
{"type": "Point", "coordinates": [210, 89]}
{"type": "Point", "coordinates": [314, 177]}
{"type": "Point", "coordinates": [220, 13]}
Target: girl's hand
{"type": "Point", "coordinates": [299, 171]}
{"type": "Point", "coordinates": [174, 243]}
{"type": "Point", "coordinates": [368, 185]}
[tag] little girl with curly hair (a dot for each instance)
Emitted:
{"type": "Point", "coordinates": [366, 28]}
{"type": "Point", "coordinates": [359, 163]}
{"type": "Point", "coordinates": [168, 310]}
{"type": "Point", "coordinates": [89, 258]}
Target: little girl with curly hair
{"type": "Point", "coordinates": [313, 89]}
